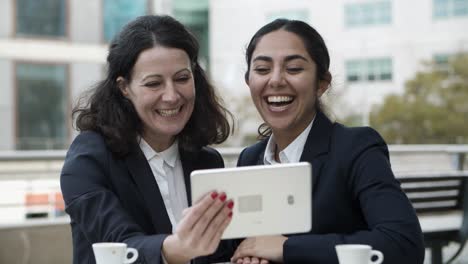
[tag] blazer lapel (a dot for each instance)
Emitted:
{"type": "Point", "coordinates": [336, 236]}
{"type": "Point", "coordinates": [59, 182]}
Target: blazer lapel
{"type": "Point", "coordinates": [144, 178]}
{"type": "Point", "coordinates": [317, 144]}
{"type": "Point", "coordinates": [260, 160]}
{"type": "Point", "coordinates": [187, 159]}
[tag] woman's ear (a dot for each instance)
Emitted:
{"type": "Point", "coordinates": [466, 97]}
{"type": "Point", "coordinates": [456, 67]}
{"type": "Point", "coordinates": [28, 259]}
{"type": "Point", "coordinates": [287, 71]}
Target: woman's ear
{"type": "Point", "coordinates": [323, 87]}
{"type": "Point", "coordinates": [123, 86]}
{"type": "Point", "coordinates": [324, 84]}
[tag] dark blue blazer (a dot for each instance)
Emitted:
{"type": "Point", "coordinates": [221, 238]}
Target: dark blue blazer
{"type": "Point", "coordinates": [356, 198]}
{"type": "Point", "coordinates": [118, 200]}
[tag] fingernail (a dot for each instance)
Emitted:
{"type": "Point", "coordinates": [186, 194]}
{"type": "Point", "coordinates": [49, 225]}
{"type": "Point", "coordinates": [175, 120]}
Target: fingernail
{"type": "Point", "coordinates": [214, 195]}
{"type": "Point", "coordinates": [230, 205]}
{"type": "Point", "coordinates": [230, 214]}
{"type": "Point", "coordinates": [222, 197]}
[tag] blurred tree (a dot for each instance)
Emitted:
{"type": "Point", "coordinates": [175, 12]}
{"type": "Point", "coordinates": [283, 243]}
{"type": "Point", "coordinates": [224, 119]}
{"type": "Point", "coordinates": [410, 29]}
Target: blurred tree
{"type": "Point", "coordinates": [246, 120]}
{"type": "Point", "coordinates": [352, 119]}
{"type": "Point", "coordinates": [432, 110]}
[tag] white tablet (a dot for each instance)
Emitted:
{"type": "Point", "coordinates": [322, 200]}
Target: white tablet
{"type": "Point", "coordinates": [268, 199]}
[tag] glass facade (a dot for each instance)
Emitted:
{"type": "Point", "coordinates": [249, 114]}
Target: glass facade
{"type": "Point", "coordinates": [449, 8]}
{"type": "Point", "coordinates": [369, 70]}
{"type": "Point", "coordinates": [368, 13]}
{"type": "Point", "coordinates": [441, 62]}
{"type": "Point", "coordinates": [441, 59]}
{"type": "Point", "coordinates": [117, 13]}
{"type": "Point", "coordinates": [41, 106]}
{"type": "Point", "coordinates": [195, 16]}
{"type": "Point", "coordinates": [41, 18]}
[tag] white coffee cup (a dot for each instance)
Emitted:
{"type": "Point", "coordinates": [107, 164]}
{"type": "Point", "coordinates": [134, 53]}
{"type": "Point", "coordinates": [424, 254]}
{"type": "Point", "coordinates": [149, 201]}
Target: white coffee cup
{"type": "Point", "coordinates": [113, 253]}
{"type": "Point", "coordinates": [357, 254]}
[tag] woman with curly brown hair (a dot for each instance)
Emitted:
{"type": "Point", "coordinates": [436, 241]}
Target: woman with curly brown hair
{"type": "Point", "coordinates": [144, 129]}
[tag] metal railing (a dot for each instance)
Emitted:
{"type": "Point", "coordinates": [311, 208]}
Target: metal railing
{"type": "Point", "coordinates": [36, 172]}
{"type": "Point", "coordinates": [24, 174]}
{"type": "Point", "coordinates": [457, 153]}
{"type": "Point", "coordinates": [46, 164]}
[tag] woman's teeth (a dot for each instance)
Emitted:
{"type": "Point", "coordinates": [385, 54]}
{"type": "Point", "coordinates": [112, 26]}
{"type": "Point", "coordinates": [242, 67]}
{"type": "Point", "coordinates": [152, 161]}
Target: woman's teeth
{"type": "Point", "coordinates": [168, 112]}
{"type": "Point", "coordinates": [283, 99]}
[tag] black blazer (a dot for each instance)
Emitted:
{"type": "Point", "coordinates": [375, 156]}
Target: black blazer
{"type": "Point", "coordinates": [118, 200]}
{"type": "Point", "coordinates": [356, 198]}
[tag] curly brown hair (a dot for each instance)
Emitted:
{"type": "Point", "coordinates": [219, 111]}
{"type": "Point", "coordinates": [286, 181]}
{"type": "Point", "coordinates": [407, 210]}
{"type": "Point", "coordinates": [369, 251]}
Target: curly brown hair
{"type": "Point", "coordinates": [108, 112]}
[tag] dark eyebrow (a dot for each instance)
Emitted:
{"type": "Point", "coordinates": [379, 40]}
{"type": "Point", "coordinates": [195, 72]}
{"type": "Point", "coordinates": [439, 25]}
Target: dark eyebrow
{"type": "Point", "coordinates": [262, 58]}
{"type": "Point", "coordinates": [150, 76]}
{"type": "Point", "coordinates": [288, 58]}
{"type": "Point", "coordinates": [185, 69]}
{"type": "Point", "coordinates": [295, 57]}
{"type": "Point", "coordinates": [160, 76]}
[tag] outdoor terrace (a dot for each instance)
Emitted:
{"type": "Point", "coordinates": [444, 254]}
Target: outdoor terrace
{"type": "Point", "coordinates": [35, 229]}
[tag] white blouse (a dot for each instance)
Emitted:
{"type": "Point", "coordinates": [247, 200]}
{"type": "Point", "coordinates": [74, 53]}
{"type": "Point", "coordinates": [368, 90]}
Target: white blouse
{"type": "Point", "coordinates": [167, 170]}
{"type": "Point", "coordinates": [292, 153]}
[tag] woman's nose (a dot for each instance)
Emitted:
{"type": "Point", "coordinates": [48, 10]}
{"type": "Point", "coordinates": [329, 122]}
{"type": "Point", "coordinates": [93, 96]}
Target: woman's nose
{"type": "Point", "coordinates": [170, 93]}
{"type": "Point", "coordinates": [277, 79]}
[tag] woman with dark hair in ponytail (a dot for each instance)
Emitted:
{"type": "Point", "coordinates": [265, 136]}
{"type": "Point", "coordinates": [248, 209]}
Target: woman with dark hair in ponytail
{"type": "Point", "coordinates": [356, 198]}
{"type": "Point", "coordinates": [143, 130]}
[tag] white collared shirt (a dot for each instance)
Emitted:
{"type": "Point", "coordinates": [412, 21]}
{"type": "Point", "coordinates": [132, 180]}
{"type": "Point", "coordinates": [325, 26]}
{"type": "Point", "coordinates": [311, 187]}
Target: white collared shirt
{"type": "Point", "coordinates": [167, 170]}
{"type": "Point", "coordinates": [292, 153]}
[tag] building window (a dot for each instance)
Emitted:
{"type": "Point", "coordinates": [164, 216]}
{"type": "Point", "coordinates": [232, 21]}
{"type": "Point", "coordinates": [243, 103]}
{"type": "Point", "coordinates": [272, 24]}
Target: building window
{"type": "Point", "coordinates": [449, 8]}
{"type": "Point", "coordinates": [442, 62]}
{"type": "Point", "coordinates": [41, 18]}
{"type": "Point", "coordinates": [299, 14]}
{"type": "Point", "coordinates": [441, 59]}
{"type": "Point", "coordinates": [41, 106]}
{"type": "Point", "coordinates": [368, 13]}
{"type": "Point", "coordinates": [195, 16]}
{"type": "Point", "coordinates": [117, 13]}
{"type": "Point", "coordinates": [369, 70]}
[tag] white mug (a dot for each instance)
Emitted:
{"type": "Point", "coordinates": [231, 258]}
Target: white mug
{"type": "Point", "coordinates": [357, 254]}
{"type": "Point", "coordinates": [113, 253]}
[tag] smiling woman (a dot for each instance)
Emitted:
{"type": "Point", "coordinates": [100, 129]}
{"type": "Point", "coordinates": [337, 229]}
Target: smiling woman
{"type": "Point", "coordinates": [356, 198]}
{"type": "Point", "coordinates": [144, 129]}
{"type": "Point", "coordinates": [162, 90]}
{"type": "Point", "coordinates": [283, 84]}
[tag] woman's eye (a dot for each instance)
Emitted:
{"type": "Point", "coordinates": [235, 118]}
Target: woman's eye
{"type": "Point", "coordinates": [294, 69]}
{"type": "Point", "coordinates": [261, 70]}
{"type": "Point", "coordinates": [153, 84]}
{"type": "Point", "coordinates": [183, 79]}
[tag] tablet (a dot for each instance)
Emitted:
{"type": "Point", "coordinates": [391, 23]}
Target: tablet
{"type": "Point", "coordinates": [268, 199]}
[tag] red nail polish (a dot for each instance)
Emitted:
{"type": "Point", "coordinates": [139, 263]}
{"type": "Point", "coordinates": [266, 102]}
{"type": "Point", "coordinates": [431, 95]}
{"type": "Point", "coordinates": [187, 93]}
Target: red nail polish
{"type": "Point", "coordinates": [222, 197]}
{"type": "Point", "coordinates": [214, 195]}
{"type": "Point", "coordinates": [230, 214]}
{"type": "Point", "coordinates": [230, 205]}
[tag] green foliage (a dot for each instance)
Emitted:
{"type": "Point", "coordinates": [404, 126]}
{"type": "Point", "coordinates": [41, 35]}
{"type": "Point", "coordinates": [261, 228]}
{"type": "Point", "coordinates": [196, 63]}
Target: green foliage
{"type": "Point", "coordinates": [352, 120]}
{"type": "Point", "coordinates": [432, 110]}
